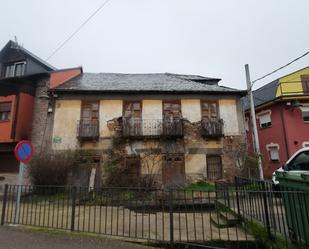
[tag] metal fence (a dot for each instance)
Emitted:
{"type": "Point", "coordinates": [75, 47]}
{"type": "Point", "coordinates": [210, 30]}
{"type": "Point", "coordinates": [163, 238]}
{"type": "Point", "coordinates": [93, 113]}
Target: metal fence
{"type": "Point", "coordinates": [177, 218]}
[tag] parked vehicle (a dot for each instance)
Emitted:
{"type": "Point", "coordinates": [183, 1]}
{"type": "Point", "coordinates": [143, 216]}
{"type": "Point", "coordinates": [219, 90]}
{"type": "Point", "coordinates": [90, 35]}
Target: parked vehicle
{"type": "Point", "coordinates": [298, 163]}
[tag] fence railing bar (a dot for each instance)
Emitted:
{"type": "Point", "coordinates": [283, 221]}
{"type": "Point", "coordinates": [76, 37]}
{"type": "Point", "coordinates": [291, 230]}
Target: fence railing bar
{"type": "Point", "coordinates": [5, 197]}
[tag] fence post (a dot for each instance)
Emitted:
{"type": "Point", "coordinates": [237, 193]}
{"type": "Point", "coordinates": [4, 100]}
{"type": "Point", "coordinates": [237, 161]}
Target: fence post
{"type": "Point", "coordinates": [237, 197]}
{"type": "Point", "coordinates": [5, 196]}
{"type": "Point", "coordinates": [170, 202]}
{"type": "Point", "coordinates": [267, 220]}
{"type": "Point", "coordinates": [73, 208]}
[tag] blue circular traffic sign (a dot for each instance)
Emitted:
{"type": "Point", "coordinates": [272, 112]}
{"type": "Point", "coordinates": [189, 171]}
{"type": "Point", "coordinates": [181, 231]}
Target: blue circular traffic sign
{"type": "Point", "coordinates": [23, 151]}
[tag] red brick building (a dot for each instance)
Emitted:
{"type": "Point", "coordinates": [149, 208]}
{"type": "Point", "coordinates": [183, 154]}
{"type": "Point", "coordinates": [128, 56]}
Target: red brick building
{"type": "Point", "coordinates": [282, 113]}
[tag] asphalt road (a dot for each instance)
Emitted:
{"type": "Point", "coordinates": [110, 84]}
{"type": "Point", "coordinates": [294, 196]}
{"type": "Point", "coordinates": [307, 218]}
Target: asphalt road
{"type": "Point", "coordinates": [20, 238]}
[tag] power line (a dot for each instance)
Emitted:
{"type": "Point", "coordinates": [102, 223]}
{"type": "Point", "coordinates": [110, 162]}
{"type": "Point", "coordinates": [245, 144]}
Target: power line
{"type": "Point", "coordinates": [78, 29]}
{"type": "Point", "coordinates": [266, 75]}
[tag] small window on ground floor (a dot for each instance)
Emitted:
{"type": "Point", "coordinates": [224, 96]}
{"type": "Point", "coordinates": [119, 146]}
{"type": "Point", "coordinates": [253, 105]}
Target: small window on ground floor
{"type": "Point", "coordinates": [273, 150]}
{"type": "Point", "coordinates": [214, 167]}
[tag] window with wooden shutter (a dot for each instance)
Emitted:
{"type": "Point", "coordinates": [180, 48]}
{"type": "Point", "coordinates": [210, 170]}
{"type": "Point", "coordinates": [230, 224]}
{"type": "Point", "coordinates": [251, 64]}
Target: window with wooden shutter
{"type": "Point", "coordinates": [209, 110]}
{"type": "Point", "coordinates": [132, 118]}
{"type": "Point", "coordinates": [88, 127]}
{"type": "Point", "coordinates": [132, 109]}
{"type": "Point", "coordinates": [90, 110]}
{"type": "Point", "coordinates": [5, 111]}
{"type": "Point", "coordinates": [172, 110]}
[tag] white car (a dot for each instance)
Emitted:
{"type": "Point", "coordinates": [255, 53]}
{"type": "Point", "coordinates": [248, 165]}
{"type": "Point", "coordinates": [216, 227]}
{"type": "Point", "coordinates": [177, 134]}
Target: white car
{"type": "Point", "coordinates": [298, 163]}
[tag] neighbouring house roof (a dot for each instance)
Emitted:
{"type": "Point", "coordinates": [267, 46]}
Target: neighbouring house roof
{"type": "Point", "coordinates": [153, 82]}
{"type": "Point", "coordinates": [14, 45]}
{"type": "Point", "coordinates": [262, 95]}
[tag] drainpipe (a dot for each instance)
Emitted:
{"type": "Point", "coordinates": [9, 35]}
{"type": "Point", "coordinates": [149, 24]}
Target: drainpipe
{"type": "Point", "coordinates": [284, 132]}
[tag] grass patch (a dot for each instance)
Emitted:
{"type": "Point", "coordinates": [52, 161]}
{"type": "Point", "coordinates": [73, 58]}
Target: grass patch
{"type": "Point", "coordinates": [201, 186]}
{"type": "Point", "coordinates": [263, 240]}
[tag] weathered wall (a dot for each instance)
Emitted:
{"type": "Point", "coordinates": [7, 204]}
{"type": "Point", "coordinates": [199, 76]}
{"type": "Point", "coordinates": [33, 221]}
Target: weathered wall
{"type": "Point", "coordinates": [109, 109]}
{"type": "Point", "coordinates": [194, 147]}
{"type": "Point", "coordinates": [67, 114]}
{"type": "Point", "coordinates": [228, 112]}
{"type": "Point", "coordinates": [41, 121]}
{"type": "Point", "coordinates": [195, 165]}
{"type": "Point", "coordinates": [191, 109]}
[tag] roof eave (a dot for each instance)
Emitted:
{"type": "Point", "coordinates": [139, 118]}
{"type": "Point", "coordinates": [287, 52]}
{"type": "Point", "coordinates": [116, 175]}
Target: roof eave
{"type": "Point", "coordinates": [73, 91]}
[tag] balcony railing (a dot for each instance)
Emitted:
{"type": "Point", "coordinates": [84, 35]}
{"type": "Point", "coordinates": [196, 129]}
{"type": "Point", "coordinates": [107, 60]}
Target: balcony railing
{"type": "Point", "coordinates": [88, 129]}
{"type": "Point", "coordinates": [212, 129]}
{"type": "Point", "coordinates": [135, 127]}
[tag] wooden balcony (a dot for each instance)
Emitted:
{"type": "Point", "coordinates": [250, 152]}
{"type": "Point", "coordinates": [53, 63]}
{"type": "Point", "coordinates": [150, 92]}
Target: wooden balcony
{"type": "Point", "coordinates": [139, 128]}
{"type": "Point", "coordinates": [88, 130]}
{"type": "Point", "coordinates": [212, 129]}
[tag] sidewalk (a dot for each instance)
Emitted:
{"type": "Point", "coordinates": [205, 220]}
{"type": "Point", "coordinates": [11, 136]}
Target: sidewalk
{"type": "Point", "coordinates": [20, 238]}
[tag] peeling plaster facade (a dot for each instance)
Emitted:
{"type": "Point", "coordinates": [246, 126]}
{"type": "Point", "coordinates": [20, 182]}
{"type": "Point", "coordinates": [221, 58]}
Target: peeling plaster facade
{"type": "Point", "coordinates": [193, 146]}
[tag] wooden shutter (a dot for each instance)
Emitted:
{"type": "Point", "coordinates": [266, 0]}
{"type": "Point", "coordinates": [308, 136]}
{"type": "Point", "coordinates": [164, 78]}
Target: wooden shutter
{"type": "Point", "coordinates": [172, 109]}
{"type": "Point", "coordinates": [90, 110]}
{"type": "Point", "coordinates": [132, 109]}
{"type": "Point", "coordinates": [209, 110]}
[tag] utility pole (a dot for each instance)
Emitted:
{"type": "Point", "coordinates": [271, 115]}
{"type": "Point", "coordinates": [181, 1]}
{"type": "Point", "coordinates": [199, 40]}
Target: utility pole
{"type": "Point", "coordinates": [253, 118]}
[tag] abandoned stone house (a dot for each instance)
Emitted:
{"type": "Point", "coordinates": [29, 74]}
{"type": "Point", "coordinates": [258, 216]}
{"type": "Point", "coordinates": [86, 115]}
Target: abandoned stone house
{"type": "Point", "coordinates": [180, 128]}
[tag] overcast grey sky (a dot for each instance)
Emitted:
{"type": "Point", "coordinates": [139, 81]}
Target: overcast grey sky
{"type": "Point", "coordinates": [211, 38]}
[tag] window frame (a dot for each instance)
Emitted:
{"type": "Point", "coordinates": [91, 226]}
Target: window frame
{"type": "Point", "coordinates": [126, 103]}
{"type": "Point", "coordinates": [13, 67]}
{"type": "Point", "coordinates": [212, 174]}
{"type": "Point", "coordinates": [269, 124]}
{"type": "Point", "coordinates": [9, 112]}
{"type": "Point", "coordinates": [178, 102]}
{"type": "Point", "coordinates": [305, 109]}
{"type": "Point", "coordinates": [87, 102]}
{"type": "Point", "coordinates": [209, 102]}
{"type": "Point", "coordinates": [270, 148]}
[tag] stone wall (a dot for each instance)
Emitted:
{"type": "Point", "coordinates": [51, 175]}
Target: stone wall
{"type": "Point", "coordinates": [42, 120]}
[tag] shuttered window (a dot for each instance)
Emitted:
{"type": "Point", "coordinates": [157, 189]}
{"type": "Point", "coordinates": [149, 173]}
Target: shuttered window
{"type": "Point", "coordinates": [171, 110]}
{"type": "Point", "coordinates": [274, 153]}
{"type": "Point", "coordinates": [90, 110]}
{"type": "Point", "coordinates": [5, 111]}
{"type": "Point", "coordinates": [209, 111]}
{"type": "Point", "coordinates": [305, 112]}
{"type": "Point", "coordinates": [132, 109]}
{"type": "Point", "coordinates": [265, 120]}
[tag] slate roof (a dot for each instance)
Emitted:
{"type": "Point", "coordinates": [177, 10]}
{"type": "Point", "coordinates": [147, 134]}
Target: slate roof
{"type": "Point", "coordinates": [262, 95]}
{"type": "Point", "coordinates": [157, 82]}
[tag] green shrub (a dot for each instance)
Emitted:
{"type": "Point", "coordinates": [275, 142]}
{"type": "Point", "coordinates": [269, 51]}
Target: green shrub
{"type": "Point", "coordinates": [52, 168]}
